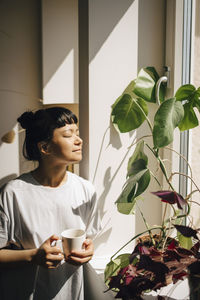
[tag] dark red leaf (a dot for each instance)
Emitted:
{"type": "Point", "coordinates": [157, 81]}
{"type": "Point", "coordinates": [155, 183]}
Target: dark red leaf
{"type": "Point", "coordinates": [171, 255]}
{"type": "Point", "coordinates": [172, 245]}
{"type": "Point", "coordinates": [195, 249]}
{"type": "Point", "coordinates": [144, 250]}
{"type": "Point", "coordinates": [135, 288]}
{"type": "Point", "coordinates": [179, 276]}
{"type": "Point", "coordinates": [186, 231]}
{"type": "Point", "coordinates": [171, 197]}
{"type": "Point", "coordinates": [184, 252]}
{"type": "Point", "coordinates": [158, 268]}
{"type": "Point", "coordinates": [154, 252]}
{"type": "Point", "coordinates": [114, 282]}
{"type": "Point", "coordinates": [128, 279]}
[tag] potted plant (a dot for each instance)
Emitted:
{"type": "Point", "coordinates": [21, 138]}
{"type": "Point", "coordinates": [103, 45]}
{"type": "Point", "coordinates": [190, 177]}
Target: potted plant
{"type": "Point", "coordinates": [169, 252]}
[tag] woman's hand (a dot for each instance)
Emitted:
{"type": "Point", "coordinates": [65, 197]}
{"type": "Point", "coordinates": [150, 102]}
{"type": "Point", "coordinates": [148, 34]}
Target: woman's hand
{"type": "Point", "coordinates": [48, 256]}
{"type": "Point", "coordinates": [81, 257]}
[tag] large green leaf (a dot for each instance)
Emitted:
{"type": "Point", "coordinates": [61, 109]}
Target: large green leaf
{"type": "Point", "coordinates": [184, 92]}
{"type": "Point", "coordinates": [134, 186]}
{"type": "Point", "coordinates": [115, 265]}
{"type": "Point", "coordinates": [185, 242]}
{"type": "Point", "coordinates": [129, 89]}
{"type": "Point", "coordinates": [143, 183]}
{"type": "Point", "coordinates": [128, 113]}
{"type": "Point", "coordinates": [191, 98]}
{"type": "Point", "coordinates": [152, 71]}
{"type": "Point", "coordinates": [130, 188]}
{"type": "Point", "coordinates": [189, 120]}
{"type": "Point", "coordinates": [126, 208]}
{"type": "Point", "coordinates": [156, 76]}
{"type": "Point", "coordinates": [145, 85]}
{"type": "Point", "coordinates": [166, 119]}
{"type": "Point", "coordinates": [197, 100]}
{"type": "Point", "coordinates": [137, 182]}
{"type": "Point", "coordinates": [138, 161]}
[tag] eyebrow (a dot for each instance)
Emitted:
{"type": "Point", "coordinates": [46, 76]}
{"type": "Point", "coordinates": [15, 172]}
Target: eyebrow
{"type": "Point", "coordinates": [69, 129]}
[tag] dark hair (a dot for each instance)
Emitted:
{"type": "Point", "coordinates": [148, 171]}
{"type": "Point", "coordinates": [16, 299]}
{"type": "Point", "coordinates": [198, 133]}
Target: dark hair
{"type": "Point", "coordinates": [40, 125]}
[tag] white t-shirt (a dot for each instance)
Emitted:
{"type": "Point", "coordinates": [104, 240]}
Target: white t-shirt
{"type": "Point", "coordinates": [29, 214]}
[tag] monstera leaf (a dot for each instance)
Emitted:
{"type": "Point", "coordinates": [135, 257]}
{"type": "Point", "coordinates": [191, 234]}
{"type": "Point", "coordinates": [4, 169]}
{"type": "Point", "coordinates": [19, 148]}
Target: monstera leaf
{"type": "Point", "coordinates": [185, 92]}
{"type": "Point", "coordinates": [115, 265]}
{"type": "Point", "coordinates": [191, 98]}
{"type": "Point", "coordinates": [145, 85]}
{"type": "Point", "coordinates": [130, 109]}
{"type": "Point", "coordinates": [128, 113]}
{"type": "Point", "coordinates": [137, 182]}
{"type": "Point", "coordinates": [167, 118]}
{"type": "Point", "coordinates": [190, 119]}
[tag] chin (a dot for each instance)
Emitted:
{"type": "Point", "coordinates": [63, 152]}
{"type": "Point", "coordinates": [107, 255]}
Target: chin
{"type": "Point", "coordinates": [76, 161]}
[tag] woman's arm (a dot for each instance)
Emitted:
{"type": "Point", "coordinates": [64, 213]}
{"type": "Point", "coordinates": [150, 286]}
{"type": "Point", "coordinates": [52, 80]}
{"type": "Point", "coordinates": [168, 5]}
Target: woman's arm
{"type": "Point", "coordinates": [46, 256]}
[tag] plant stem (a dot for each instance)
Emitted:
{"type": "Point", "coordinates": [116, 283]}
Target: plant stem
{"type": "Point", "coordinates": [182, 174]}
{"type": "Point", "coordinates": [164, 214]}
{"type": "Point", "coordinates": [147, 226]}
{"type": "Point", "coordinates": [141, 138]}
{"type": "Point", "coordinates": [162, 166]}
{"type": "Point", "coordinates": [156, 179]}
{"type": "Point", "coordinates": [182, 156]}
{"type": "Point", "coordinates": [135, 237]}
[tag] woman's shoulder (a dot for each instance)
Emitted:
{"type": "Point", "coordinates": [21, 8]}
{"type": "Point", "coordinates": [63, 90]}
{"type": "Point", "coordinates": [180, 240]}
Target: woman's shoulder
{"type": "Point", "coordinates": [16, 183]}
{"type": "Point", "coordinates": [76, 179]}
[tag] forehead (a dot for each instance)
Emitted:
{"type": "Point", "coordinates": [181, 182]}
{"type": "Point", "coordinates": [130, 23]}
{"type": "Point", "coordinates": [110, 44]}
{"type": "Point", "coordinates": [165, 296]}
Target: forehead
{"type": "Point", "coordinates": [68, 127]}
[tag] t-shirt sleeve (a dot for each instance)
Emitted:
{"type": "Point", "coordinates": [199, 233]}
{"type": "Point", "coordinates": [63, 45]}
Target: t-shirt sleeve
{"type": "Point", "coordinates": [4, 220]}
{"type": "Point", "coordinates": [93, 225]}
{"type": "Point", "coordinates": [9, 224]}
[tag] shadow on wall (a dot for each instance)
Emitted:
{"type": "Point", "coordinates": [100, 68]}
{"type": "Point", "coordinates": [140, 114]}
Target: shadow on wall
{"type": "Point", "coordinates": [115, 142]}
{"type": "Point", "coordinates": [20, 64]}
{"type": "Point", "coordinates": [19, 60]}
{"type": "Point", "coordinates": [150, 208]}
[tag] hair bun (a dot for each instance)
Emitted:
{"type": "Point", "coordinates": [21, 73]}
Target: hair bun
{"type": "Point", "coordinates": [26, 119]}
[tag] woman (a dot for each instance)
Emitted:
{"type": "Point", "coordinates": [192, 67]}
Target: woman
{"type": "Point", "coordinates": [37, 206]}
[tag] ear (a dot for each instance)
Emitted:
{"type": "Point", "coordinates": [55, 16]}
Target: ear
{"type": "Point", "coordinates": [43, 147]}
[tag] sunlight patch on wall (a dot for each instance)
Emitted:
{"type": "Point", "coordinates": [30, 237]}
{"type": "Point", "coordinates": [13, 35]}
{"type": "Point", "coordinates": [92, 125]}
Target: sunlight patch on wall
{"type": "Point", "coordinates": [59, 86]}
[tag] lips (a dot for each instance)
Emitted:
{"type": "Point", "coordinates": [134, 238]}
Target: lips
{"type": "Point", "coordinates": [78, 150]}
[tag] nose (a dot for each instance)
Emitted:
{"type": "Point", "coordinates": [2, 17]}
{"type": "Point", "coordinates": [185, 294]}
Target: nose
{"type": "Point", "coordinates": [78, 140]}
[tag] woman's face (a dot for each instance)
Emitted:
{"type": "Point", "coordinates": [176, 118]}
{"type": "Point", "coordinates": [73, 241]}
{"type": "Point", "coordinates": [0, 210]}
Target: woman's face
{"type": "Point", "coordinates": [66, 145]}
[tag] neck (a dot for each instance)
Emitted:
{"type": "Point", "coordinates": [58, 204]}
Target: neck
{"type": "Point", "coordinates": [52, 176]}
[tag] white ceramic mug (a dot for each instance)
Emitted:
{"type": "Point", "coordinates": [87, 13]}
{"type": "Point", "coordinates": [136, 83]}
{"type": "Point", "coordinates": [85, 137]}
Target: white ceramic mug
{"type": "Point", "coordinates": [72, 240]}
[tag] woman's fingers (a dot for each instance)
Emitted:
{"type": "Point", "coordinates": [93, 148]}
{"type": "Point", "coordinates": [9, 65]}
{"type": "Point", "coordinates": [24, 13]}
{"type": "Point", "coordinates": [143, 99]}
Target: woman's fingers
{"type": "Point", "coordinates": [47, 255]}
{"type": "Point", "coordinates": [54, 257]}
{"type": "Point", "coordinates": [88, 244]}
{"type": "Point", "coordinates": [81, 257]}
{"type": "Point", "coordinates": [78, 260]}
{"type": "Point", "coordinates": [52, 260]}
{"type": "Point", "coordinates": [55, 250]}
{"type": "Point", "coordinates": [88, 251]}
{"type": "Point", "coordinates": [82, 254]}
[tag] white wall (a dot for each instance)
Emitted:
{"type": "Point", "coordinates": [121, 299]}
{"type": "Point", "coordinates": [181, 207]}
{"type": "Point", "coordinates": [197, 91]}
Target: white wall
{"type": "Point", "coordinates": [20, 74]}
{"type": "Point", "coordinates": [115, 35]}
